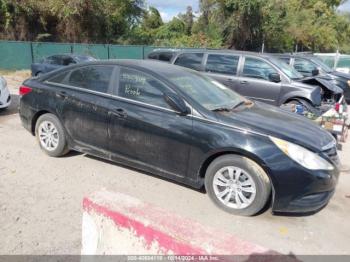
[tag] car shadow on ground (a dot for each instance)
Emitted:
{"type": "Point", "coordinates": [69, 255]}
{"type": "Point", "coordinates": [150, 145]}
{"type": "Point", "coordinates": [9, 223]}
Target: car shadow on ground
{"type": "Point", "coordinates": [13, 108]}
{"type": "Point", "coordinates": [144, 172]}
{"type": "Point", "coordinates": [267, 207]}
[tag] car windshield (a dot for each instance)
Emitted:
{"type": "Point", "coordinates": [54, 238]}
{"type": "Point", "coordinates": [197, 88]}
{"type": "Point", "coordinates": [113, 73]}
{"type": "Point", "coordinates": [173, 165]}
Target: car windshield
{"type": "Point", "coordinates": [207, 92]}
{"type": "Point", "coordinates": [321, 64]}
{"type": "Point", "coordinates": [286, 69]}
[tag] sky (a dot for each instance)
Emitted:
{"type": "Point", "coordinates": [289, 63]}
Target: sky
{"type": "Point", "coordinates": [170, 8]}
{"type": "Point", "coordinates": [345, 7]}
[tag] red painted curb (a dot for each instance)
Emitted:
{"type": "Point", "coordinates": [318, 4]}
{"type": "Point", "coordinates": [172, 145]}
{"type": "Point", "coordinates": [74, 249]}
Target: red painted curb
{"type": "Point", "coordinates": [174, 234]}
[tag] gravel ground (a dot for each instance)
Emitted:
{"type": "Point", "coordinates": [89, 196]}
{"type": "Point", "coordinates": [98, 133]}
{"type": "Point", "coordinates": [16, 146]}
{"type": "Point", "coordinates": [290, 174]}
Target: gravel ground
{"type": "Point", "coordinates": [41, 200]}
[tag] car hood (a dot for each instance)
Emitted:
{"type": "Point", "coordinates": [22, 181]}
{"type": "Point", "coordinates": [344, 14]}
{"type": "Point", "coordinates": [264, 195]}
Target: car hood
{"type": "Point", "coordinates": [322, 81]}
{"type": "Point", "coordinates": [300, 84]}
{"type": "Point", "coordinates": [341, 74]}
{"type": "Point", "coordinates": [273, 121]}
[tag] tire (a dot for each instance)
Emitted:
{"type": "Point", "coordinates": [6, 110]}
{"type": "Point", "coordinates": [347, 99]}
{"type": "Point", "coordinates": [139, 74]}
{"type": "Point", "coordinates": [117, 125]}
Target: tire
{"type": "Point", "coordinates": [49, 126]}
{"type": "Point", "coordinates": [250, 173]}
{"type": "Point", "coordinates": [307, 106]}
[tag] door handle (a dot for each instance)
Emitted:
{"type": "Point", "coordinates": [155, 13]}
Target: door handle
{"type": "Point", "coordinates": [119, 112]}
{"type": "Point", "coordinates": [244, 82]}
{"type": "Point", "coordinates": [230, 79]}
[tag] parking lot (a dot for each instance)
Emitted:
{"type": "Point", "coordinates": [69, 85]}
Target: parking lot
{"type": "Point", "coordinates": [41, 200]}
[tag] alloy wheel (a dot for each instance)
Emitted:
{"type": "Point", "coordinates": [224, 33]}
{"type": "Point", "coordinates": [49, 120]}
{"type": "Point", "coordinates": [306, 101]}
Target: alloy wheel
{"type": "Point", "coordinates": [234, 187]}
{"type": "Point", "coordinates": [48, 135]}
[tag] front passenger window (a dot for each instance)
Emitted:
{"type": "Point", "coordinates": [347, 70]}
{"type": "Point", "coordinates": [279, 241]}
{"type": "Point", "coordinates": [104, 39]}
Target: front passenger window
{"type": "Point", "coordinates": [140, 87]}
{"type": "Point", "coordinates": [257, 68]}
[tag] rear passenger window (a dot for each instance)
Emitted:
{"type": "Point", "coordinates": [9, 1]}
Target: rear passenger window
{"type": "Point", "coordinates": [222, 64]}
{"type": "Point", "coordinates": [140, 87]}
{"type": "Point", "coordinates": [190, 60]}
{"type": "Point", "coordinates": [166, 57]}
{"type": "Point", "coordinates": [58, 78]}
{"type": "Point", "coordinates": [153, 56]}
{"type": "Point", "coordinates": [94, 78]}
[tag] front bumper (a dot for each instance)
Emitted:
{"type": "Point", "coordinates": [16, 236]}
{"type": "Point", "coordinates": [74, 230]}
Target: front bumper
{"type": "Point", "coordinates": [300, 190]}
{"type": "Point", "coordinates": [309, 203]}
{"type": "Point", "coordinates": [308, 196]}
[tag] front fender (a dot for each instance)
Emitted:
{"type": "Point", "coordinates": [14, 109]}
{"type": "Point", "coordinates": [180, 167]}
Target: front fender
{"type": "Point", "coordinates": [314, 96]}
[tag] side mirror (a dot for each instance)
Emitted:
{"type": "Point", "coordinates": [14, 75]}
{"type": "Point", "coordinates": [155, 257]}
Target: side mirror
{"type": "Point", "coordinates": [177, 103]}
{"type": "Point", "coordinates": [315, 72]}
{"type": "Point", "coordinates": [274, 77]}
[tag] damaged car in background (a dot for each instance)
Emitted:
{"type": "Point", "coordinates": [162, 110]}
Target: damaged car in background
{"type": "Point", "coordinates": [310, 65]}
{"type": "Point", "coordinates": [260, 77]}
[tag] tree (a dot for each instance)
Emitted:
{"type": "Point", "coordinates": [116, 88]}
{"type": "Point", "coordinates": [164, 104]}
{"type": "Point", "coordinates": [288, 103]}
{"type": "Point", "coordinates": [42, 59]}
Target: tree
{"type": "Point", "coordinates": [188, 18]}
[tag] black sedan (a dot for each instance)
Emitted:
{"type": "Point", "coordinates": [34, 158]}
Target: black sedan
{"type": "Point", "coordinates": [179, 124]}
{"type": "Point", "coordinates": [54, 62]}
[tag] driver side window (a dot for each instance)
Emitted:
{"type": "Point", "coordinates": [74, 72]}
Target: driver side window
{"type": "Point", "coordinates": [141, 87]}
{"type": "Point", "coordinates": [257, 68]}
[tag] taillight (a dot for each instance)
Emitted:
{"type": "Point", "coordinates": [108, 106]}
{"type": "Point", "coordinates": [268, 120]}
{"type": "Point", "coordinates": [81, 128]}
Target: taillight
{"type": "Point", "coordinates": [23, 90]}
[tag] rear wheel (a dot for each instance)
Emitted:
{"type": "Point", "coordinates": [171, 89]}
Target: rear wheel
{"type": "Point", "coordinates": [237, 185]}
{"type": "Point", "coordinates": [50, 134]}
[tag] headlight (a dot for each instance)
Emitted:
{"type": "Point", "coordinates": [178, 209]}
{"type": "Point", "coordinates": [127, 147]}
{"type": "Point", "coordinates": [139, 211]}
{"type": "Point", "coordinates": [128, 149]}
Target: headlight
{"type": "Point", "coordinates": [349, 83]}
{"type": "Point", "coordinates": [302, 156]}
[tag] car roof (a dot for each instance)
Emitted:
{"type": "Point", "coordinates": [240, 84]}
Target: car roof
{"type": "Point", "coordinates": [152, 66]}
{"type": "Point", "coordinates": [298, 55]}
{"type": "Point", "coordinates": [70, 55]}
{"type": "Point", "coordinates": [210, 51]}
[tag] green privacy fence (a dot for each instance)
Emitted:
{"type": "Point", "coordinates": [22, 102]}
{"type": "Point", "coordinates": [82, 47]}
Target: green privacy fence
{"type": "Point", "coordinates": [20, 55]}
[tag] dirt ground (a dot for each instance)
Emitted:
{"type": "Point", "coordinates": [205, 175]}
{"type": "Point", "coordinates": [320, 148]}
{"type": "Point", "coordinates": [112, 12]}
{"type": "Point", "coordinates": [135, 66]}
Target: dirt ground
{"type": "Point", "coordinates": [41, 200]}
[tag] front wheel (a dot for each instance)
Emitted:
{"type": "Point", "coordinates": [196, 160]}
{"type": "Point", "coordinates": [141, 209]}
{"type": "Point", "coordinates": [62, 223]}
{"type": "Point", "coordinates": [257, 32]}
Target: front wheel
{"type": "Point", "coordinates": [305, 105]}
{"type": "Point", "coordinates": [237, 185]}
{"type": "Point", "coordinates": [50, 134]}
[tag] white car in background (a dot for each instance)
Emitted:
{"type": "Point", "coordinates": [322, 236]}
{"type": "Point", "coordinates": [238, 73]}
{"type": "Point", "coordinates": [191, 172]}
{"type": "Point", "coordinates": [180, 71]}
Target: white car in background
{"type": "Point", "coordinates": [5, 97]}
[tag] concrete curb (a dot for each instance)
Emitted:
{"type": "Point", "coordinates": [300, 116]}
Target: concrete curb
{"type": "Point", "coordinates": [117, 224]}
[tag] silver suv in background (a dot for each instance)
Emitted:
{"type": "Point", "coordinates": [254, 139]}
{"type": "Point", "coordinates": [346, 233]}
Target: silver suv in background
{"type": "Point", "coordinates": [260, 77]}
{"type": "Point", "coordinates": [5, 97]}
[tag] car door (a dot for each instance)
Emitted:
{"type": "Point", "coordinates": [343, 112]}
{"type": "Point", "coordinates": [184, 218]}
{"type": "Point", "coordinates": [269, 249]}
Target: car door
{"type": "Point", "coordinates": [144, 129]}
{"type": "Point", "coordinates": [86, 95]}
{"type": "Point", "coordinates": [255, 83]}
{"type": "Point", "coordinates": [223, 68]}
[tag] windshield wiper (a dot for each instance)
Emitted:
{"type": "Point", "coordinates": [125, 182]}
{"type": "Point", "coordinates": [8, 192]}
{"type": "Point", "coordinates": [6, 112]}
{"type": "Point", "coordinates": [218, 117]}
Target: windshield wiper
{"type": "Point", "coordinates": [239, 104]}
{"type": "Point", "coordinates": [228, 109]}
